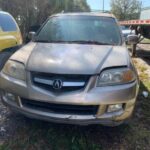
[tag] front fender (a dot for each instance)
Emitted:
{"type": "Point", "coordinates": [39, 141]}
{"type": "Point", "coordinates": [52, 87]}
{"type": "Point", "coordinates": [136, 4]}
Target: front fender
{"type": "Point", "coordinates": [7, 41]}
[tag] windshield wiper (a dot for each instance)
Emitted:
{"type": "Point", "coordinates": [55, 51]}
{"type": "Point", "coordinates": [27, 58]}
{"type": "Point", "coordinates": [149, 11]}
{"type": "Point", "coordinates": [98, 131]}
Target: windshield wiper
{"type": "Point", "coordinates": [42, 41]}
{"type": "Point", "coordinates": [50, 41]}
{"type": "Point", "coordinates": [90, 42]}
{"type": "Point", "coordinates": [80, 42]}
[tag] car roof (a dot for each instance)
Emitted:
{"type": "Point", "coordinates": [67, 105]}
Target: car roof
{"type": "Point", "coordinates": [78, 14]}
{"type": "Point", "coordinates": [86, 14]}
{"type": "Point", "coordinates": [3, 12]}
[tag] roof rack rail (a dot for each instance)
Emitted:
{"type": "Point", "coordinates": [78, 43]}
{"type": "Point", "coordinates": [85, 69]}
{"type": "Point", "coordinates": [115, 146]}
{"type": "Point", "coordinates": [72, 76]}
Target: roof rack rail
{"type": "Point", "coordinates": [101, 11]}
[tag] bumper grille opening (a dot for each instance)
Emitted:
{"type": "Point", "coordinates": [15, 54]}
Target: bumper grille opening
{"type": "Point", "coordinates": [60, 108]}
{"type": "Point", "coordinates": [64, 78]}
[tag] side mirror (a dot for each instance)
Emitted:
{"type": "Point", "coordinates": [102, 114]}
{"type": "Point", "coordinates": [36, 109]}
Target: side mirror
{"type": "Point", "coordinates": [31, 36]}
{"type": "Point", "coordinates": [132, 39]}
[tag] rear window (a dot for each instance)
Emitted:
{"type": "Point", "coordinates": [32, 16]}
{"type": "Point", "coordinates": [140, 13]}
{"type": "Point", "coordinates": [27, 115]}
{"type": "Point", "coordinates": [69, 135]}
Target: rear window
{"type": "Point", "coordinates": [7, 23]}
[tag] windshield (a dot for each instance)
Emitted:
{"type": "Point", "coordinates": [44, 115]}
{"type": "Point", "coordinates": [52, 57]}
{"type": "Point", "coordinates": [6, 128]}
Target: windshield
{"type": "Point", "coordinates": [85, 29]}
{"type": "Point", "coordinates": [7, 23]}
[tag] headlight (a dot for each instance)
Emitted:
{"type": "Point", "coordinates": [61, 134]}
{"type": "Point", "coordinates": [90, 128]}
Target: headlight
{"type": "Point", "coordinates": [116, 77]}
{"type": "Point", "coordinates": [14, 69]}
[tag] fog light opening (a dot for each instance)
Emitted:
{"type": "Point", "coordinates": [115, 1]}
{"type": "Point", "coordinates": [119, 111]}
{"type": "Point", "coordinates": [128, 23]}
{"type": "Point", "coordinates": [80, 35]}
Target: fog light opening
{"type": "Point", "coordinates": [10, 96]}
{"type": "Point", "coordinates": [114, 108]}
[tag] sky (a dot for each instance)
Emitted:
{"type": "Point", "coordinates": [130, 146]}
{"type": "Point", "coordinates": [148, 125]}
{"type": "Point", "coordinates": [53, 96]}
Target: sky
{"type": "Point", "coordinates": [98, 4]}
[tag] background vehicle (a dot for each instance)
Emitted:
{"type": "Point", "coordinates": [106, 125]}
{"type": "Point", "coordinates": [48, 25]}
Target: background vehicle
{"type": "Point", "coordinates": [141, 27]}
{"type": "Point", "coordinates": [126, 31]}
{"type": "Point", "coordinates": [10, 36]}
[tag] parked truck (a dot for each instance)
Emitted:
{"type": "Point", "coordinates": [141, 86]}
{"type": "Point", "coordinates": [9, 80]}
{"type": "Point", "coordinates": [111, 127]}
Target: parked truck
{"type": "Point", "coordinates": [141, 27]}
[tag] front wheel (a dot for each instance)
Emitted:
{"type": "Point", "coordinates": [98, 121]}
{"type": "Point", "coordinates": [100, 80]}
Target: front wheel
{"type": "Point", "coordinates": [4, 56]}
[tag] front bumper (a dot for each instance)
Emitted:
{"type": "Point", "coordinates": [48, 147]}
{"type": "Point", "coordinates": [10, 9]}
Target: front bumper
{"type": "Point", "coordinates": [103, 97]}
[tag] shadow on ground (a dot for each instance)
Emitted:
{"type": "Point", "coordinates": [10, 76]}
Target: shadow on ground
{"type": "Point", "coordinates": [144, 53]}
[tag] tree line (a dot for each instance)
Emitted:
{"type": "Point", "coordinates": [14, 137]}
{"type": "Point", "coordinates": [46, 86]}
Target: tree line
{"type": "Point", "coordinates": [126, 9]}
{"type": "Point", "coordinates": [34, 12]}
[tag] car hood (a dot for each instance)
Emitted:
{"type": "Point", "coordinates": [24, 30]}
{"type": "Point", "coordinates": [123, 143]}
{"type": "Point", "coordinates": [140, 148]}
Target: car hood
{"type": "Point", "coordinates": [71, 58]}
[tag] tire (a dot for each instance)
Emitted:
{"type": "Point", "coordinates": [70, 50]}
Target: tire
{"type": "Point", "coordinates": [4, 56]}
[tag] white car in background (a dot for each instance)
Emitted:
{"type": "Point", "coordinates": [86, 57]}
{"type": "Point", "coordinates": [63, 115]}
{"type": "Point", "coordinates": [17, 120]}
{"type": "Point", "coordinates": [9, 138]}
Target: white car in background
{"type": "Point", "coordinates": [127, 31]}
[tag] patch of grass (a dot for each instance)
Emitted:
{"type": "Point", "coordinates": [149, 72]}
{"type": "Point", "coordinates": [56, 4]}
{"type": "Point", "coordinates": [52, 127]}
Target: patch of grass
{"type": "Point", "coordinates": [147, 84]}
{"type": "Point", "coordinates": [143, 68]}
{"type": "Point", "coordinates": [39, 136]}
{"type": "Point", "coordinates": [144, 77]}
{"type": "Point", "coordinates": [146, 40]}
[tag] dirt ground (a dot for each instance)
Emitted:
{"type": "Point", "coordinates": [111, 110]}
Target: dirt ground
{"type": "Point", "coordinates": [20, 133]}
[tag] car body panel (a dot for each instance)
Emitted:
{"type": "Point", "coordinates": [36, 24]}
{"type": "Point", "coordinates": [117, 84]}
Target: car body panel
{"type": "Point", "coordinates": [78, 57]}
{"type": "Point", "coordinates": [70, 59]}
{"type": "Point", "coordinates": [90, 95]}
{"type": "Point", "coordinates": [11, 38]}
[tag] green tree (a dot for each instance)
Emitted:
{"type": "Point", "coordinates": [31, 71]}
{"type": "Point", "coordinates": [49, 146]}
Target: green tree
{"type": "Point", "coordinates": [126, 9]}
{"type": "Point", "coordinates": [35, 12]}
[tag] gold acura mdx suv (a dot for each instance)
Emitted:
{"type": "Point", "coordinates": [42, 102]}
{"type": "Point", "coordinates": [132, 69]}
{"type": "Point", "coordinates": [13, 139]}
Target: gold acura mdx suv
{"type": "Point", "coordinates": [76, 70]}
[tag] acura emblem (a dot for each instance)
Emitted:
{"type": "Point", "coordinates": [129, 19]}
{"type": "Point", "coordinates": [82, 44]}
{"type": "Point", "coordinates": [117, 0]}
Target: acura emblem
{"type": "Point", "coordinates": [57, 84]}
